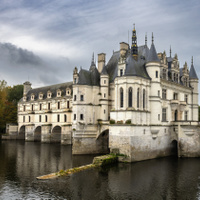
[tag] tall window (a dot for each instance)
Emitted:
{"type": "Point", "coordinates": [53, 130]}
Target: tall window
{"type": "Point", "coordinates": [32, 108]}
{"type": "Point", "coordinates": [186, 115]}
{"type": "Point", "coordinates": [144, 98]}
{"type": "Point", "coordinates": [67, 104]}
{"type": "Point", "coordinates": [82, 98]}
{"type": "Point", "coordinates": [164, 94]}
{"type": "Point", "coordinates": [49, 106]}
{"type": "Point", "coordinates": [24, 108]}
{"type": "Point", "coordinates": [130, 97]}
{"type": "Point", "coordinates": [156, 74]}
{"type": "Point", "coordinates": [81, 117]}
{"type": "Point", "coordinates": [40, 118]}
{"type": "Point", "coordinates": [74, 97]}
{"type": "Point", "coordinates": [186, 98]}
{"type": "Point", "coordinates": [175, 97]}
{"type": "Point", "coordinates": [74, 116]}
{"type": "Point", "coordinates": [40, 106]}
{"type": "Point", "coordinates": [29, 118]}
{"type": "Point", "coordinates": [121, 97]}
{"type": "Point", "coordinates": [121, 72]}
{"type": "Point", "coordinates": [59, 105]}
{"type": "Point", "coordinates": [65, 118]}
{"type": "Point", "coordinates": [164, 114]}
{"type": "Point", "coordinates": [138, 98]}
{"type": "Point", "coordinates": [46, 119]}
{"type": "Point", "coordinates": [58, 118]}
{"type": "Point", "coordinates": [23, 118]}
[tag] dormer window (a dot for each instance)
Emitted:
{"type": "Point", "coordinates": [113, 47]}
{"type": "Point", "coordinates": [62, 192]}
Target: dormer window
{"type": "Point", "coordinates": [58, 93]}
{"type": "Point", "coordinates": [40, 95]}
{"type": "Point", "coordinates": [32, 97]}
{"type": "Point", "coordinates": [24, 98]}
{"type": "Point", "coordinates": [49, 94]}
{"type": "Point", "coordinates": [68, 92]}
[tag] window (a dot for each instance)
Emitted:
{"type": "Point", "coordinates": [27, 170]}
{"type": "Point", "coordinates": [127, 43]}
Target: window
{"type": "Point", "coordinates": [144, 98]}
{"type": "Point", "coordinates": [74, 80]}
{"type": "Point", "coordinates": [175, 97]}
{"type": "Point", "coordinates": [104, 95]}
{"type": "Point", "coordinates": [46, 118]}
{"type": "Point", "coordinates": [138, 98]}
{"type": "Point", "coordinates": [82, 98]}
{"type": "Point", "coordinates": [158, 117]}
{"type": "Point", "coordinates": [156, 74]}
{"type": "Point", "coordinates": [58, 118]}
{"type": "Point", "coordinates": [59, 105]}
{"type": "Point", "coordinates": [159, 93]}
{"type": "Point", "coordinates": [186, 115]}
{"type": "Point", "coordinates": [32, 107]}
{"type": "Point", "coordinates": [49, 106]}
{"type": "Point", "coordinates": [130, 97]}
{"type": "Point", "coordinates": [104, 81]}
{"type": "Point", "coordinates": [121, 97]}
{"type": "Point", "coordinates": [186, 98]}
{"type": "Point", "coordinates": [121, 72]}
{"type": "Point", "coordinates": [104, 111]}
{"type": "Point", "coordinates": [23, 118]}
{"type": "Point", "coordinates": [65, 118]}
{"type": "Point", "coordinates": [29, 119]}
{"type": "Point", "coordinates": [40, 106]}
{"type": "Point", "coordinates": [74, 97]}
{"type": "Point", "coordinates": [40, 118]}
{"type": "Point", "coordinates": [74, 116]}
{"type": "Point", "coordinates": [67, 104]}
{"type": "Point", "coordinates": [81, 116]}
{"type": "Point", "coordinates": [24, 108]}
{"type": "Point", "coordinates": [164, 94]}
{"type": "Point", "coordinates": [164, 114]}
{"type": "Point", "coordinates": [32, 97]}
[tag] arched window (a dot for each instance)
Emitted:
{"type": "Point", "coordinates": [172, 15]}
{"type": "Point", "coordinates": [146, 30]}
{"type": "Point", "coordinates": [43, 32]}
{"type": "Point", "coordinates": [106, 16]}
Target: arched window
{"type": "Point", "coordinates": [130, 97]}
{"type": "Point", "coordinates": [138, 98]}
{"type": "Point", "coordinates": [121, 97]}
{"type": "Point", "coordinates": [144, 98]}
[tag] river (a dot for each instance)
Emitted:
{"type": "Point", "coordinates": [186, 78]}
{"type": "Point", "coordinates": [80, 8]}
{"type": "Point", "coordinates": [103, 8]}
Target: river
{"type": "Point", "coordinates": [164, 178]}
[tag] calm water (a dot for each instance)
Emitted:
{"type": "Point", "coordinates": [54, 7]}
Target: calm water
{"type": "Point", "coordinates": [22, 162]}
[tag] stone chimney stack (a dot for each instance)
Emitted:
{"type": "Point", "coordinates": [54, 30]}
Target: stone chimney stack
{"type": "Point", "coordinates": [27, 87]}
{"type": "Point", "coordinates": [101, 61]}
{"type": "Point", "coordinates": [123, 49]}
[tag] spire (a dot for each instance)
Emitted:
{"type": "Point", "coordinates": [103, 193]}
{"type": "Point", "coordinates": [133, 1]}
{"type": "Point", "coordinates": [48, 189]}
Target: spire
{"type": "Point", "coordinates": [134, 48]}
{"type": "Point", "coordinates": [170, 52]}
{"type": "Point", "coordinates": [192, 74]}
{"type": "Point", "coordinates": [153, 57]}
{"type": "Point", "coordinates": [146, 39]}
{"type": "Point", "coordinates": [92, 66]}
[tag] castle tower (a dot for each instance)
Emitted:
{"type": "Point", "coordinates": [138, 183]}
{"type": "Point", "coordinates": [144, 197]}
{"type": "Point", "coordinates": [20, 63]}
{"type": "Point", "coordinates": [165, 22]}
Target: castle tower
{"type": "Point", "coordinates": [193, 79]}
{"type": "Point", "coordinates": [104, 93]}
{"type": "Point", "coordinates": [134, 48]}
{"type": "Point", "coordinates": [153, 69]}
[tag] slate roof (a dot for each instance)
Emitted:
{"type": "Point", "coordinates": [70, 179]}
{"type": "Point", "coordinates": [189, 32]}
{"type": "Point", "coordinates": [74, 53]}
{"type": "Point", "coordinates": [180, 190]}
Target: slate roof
{"type": "Point", "coordinates": [52, 88]}
{"type": "Point", "coordinates": [136, 68]}
{"type": "Point", "coordinates": [91, 77]}
{"type": "Point", "coordinates": [193, 74]}
{"type": "Point", "coordinates": [152, 56]}
{"type": "Point", "coordinates": [104, 71]}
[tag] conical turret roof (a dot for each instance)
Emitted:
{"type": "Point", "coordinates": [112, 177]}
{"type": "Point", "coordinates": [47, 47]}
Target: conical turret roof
{"type": "Point", "coordinates": [193, 74]}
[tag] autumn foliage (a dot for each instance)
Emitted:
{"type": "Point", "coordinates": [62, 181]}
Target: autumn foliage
{"type": "Point", "coordinates": [9, 97]}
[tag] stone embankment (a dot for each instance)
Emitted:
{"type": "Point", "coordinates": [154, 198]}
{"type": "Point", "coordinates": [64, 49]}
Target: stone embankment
{"type": "Point", "coordinates": [98, 161]}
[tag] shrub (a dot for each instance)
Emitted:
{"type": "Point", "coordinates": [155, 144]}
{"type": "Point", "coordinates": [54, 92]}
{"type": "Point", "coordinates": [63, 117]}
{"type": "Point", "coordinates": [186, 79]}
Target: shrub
{"type": "Point", "coordinates": [128, 121]}
{"type": "Point", "coordinates": [112, 121]}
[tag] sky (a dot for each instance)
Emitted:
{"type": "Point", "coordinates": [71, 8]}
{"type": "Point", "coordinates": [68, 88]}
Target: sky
{"type": "Point", "coordinates": [43, 40]}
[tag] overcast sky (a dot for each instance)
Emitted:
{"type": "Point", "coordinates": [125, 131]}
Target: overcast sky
{"type": "Point", "coordinates": [43, 40]}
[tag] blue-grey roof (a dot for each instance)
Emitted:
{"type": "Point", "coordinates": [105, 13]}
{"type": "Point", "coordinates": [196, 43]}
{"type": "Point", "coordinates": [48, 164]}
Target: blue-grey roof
{"type": "Point", "coordinates": [143, 51]}
{"type": "Point", "coordinates": [136, 67]}
{"type": "Point", "coordinates": [91, 77]}
{"type": "Point", "coordinates": [193, 74]}
{"type": "Point", "coordinates": [52, 88]}
{"type": "Point", "coordinates": [104, 71]}
{"type": "Point", "coordinates": [153, 57]}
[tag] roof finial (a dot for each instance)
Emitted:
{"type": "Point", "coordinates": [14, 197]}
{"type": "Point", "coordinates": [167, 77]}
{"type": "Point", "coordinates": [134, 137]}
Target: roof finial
{"type": "Point", "coordinates": [152, 38]}
{"type": "Point", "coordinates": [170, 51]}
{"type": "Point", "coordinates": [93, 57]}
{"type": "Point", "coordinates": [146, 39]}
{"type": "Point", "coordinates": [192, 60]}
{"type": "Point", "coordinates": [134, 26]}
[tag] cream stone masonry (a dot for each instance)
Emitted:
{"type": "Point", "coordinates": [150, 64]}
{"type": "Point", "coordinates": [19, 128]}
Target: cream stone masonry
{"type": "Point", "coordinates": [141, 104]}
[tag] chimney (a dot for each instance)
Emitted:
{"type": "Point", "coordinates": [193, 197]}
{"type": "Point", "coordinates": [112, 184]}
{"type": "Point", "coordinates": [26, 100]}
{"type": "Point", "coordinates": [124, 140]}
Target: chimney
{"type": "Point", "coordinates": [123, 48]}
{"type": "Point", "coordinates": [101, 61]}
{"type": "Point", "coordinates": [27, 87]}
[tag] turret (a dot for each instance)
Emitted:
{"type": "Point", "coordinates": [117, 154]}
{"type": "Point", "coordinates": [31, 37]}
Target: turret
{"type": "Point", "coordinates": [194, 80]}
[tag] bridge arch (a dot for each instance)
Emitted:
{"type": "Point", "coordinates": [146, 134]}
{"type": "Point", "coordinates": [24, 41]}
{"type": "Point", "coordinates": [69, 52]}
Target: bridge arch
{"type": "Point", "coordinates": [56, 134]}
{"type": "Point", "coordinates": [22, 133]}
{"type": "Point", "coordinates": [103, 140]}
{"type": "Point", "coordinates": [174, 148]}
{"type": "Point", "coordinates": [37, 134]}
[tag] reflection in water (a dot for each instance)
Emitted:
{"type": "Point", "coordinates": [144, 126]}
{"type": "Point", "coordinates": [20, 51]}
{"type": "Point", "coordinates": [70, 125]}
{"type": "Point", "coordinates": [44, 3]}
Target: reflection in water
{"type": "Point", "coordinates": [22, 162]}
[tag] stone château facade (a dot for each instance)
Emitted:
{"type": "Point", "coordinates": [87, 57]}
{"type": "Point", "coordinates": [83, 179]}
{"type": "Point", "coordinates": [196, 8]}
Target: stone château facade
{"type": "Point", "coordinates": [141, 104]}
